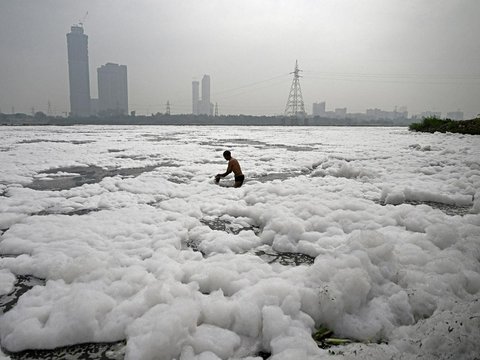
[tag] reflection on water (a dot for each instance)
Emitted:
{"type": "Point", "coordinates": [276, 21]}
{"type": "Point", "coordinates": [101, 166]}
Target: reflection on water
{"type": "Point", "coordinates": [293, 147]}
{"type": "Point", "coordinates": [90, 351]}
{"type": "Point", "coordinates": [22, 285]}
{"type": "Point", "coordinates": [449, 209]}
{"type": "Point", "coordinates": [228, 226]}
{"type": "Point", "coordinates": [446, 208]}
{"type": "Point", "coordinates": [285, 258]}
{"type": "Point", "coordinates": [75, 142]}
{"type": "Point", "coordinates": [69, 213]}
{"type": "Point", "coordinates": [278, 176]}
{"type": "Point", "coordinates": [80, 175]}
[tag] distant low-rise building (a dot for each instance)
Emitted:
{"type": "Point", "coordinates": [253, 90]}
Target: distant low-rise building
{"type": "Point", "coordinates": [340, 112]}
{"type": "Point", "coordinates": [427, 114]}
{"type": "Point", "coordinates": [318, 109]}
{"type": "Point", "coordinates": [378, 114]}
{"type": "Point", "coordinates": [94, 106]}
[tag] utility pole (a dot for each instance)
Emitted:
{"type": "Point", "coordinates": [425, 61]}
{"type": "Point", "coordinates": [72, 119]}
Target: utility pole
{"type": "Point", "coordinates": [295, 106]}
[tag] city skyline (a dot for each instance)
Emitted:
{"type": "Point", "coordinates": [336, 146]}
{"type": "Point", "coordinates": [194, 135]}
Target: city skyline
{"type": "Point", "coordinates": [423, 55]}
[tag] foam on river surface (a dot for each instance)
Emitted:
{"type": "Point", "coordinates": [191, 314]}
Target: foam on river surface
{"type": "Point", "coordinates": [373, 233]}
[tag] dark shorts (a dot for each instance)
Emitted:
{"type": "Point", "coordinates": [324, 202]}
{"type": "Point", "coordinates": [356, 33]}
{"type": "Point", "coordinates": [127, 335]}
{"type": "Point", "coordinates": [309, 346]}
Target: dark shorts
{"type": "Point", "coordinates": [239, 179]}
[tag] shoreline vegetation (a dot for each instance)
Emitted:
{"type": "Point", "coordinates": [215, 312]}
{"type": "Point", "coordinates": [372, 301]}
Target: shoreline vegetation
{"type": "Point", "coordinates": [434, 124]}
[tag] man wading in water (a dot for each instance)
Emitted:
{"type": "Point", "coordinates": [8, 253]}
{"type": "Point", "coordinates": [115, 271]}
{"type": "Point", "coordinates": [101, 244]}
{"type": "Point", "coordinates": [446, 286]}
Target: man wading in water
{"type": "Point", "coordinates": [233, 166]}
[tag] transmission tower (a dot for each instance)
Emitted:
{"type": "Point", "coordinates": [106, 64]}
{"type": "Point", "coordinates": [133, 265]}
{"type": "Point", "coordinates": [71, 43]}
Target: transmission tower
{"type": "Point", "coordinates": [295, 106]}
{"type": "Point", "coordinates": [216, 109]}
{"type": "Point", "coordinates": [167, 111]}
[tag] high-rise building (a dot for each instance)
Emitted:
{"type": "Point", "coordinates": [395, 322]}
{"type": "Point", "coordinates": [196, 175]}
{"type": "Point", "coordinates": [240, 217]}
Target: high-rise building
{"type": "Point", "coordinates": [203, 106]}
{"type": "Point", "coordinates": [206, 89]}
{"type": "Point", "coordinates": [112, 89]}
{"type": "Point", "coordinates": [195, 97]}
{"type": "Point", "coordinates": [77, 45]}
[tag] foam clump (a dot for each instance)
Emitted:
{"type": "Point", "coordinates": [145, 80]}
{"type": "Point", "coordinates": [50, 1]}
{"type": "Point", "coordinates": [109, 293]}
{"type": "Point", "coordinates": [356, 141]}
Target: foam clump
{"type": "Point", "coordinates": [221, 342]}
{"type": "Point", "coordinates": [173, 264]}
{"type": "Point", "coordinates": [7, 280]}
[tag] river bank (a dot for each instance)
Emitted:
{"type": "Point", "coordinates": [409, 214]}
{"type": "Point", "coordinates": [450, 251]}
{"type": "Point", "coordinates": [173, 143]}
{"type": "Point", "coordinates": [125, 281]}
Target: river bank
{"type": "Point", "coordinates": [433, 124]}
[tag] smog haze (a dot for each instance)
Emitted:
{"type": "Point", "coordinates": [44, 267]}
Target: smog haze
{"type": "Point", "coordinates": [422, 54]}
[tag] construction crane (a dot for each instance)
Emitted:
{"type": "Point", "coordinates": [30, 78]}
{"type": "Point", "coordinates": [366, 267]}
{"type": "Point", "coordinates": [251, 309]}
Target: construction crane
{"type": "Point", "coordinates": [82, 20]}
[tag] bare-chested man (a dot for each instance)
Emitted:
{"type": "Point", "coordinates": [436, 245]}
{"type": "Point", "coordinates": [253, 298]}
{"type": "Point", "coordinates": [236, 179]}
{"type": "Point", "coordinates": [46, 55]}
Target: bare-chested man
{"type": "Point", "coordinates": [233, 166]}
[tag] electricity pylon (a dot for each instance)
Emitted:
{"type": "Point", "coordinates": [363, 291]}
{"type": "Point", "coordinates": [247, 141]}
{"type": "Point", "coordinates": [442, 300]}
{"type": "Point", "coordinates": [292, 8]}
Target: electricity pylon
{"type": "Point", "coordinates": [167, 111]}
{"type": "Point", "coordinates": [295, 106]}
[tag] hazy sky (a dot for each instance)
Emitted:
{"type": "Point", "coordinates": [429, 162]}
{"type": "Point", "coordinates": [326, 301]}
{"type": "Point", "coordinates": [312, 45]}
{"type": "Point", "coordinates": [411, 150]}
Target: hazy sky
{"type": "Point", "coordinates": [423, 54]}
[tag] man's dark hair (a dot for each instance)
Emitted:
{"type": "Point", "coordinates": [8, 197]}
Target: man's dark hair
{"type": "Point", "coordinates": [227, 153]}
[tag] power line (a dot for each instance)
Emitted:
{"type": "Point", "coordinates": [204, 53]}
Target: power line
{"type": "Point", "coordinates": [396, 78]}
{"type": "Point", "coordinates": [251, 84]}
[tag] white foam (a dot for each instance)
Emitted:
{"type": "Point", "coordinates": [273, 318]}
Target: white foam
{"type": "Point", "coordinates": [7, 280]}
{"type": "Point", "coordinates": [387, 267]}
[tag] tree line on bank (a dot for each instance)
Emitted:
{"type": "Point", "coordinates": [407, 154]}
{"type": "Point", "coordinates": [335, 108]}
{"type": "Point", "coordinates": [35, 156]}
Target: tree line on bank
{"type": "Point", "coordinates": [434, 124]}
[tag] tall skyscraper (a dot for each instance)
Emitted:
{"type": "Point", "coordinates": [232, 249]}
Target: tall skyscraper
{"type": "Point", "coordinates": [77, 45]}
{"type": "Point", "coordinates": [195, 97]}
{"type": "Point", "coordinates": [112, 89]}
{"type": "Point", "coordinates": [206, 89]}
{"type": "Point", "coordinates": [202, 106]}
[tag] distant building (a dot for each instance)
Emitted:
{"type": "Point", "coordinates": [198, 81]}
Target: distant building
{"type": "Point", "coordinates": [206, 88]}
{"type": "Point", "coordinates": [195, 97]}
{"type": "Point", "coordinates": [340, 112]}
{"type": "Point", "coordinates": [112, 89]}
{"type": "Point", "coordinates": [78, 75]}
{"type": "Point", "coordinates": [202, 106]}
{"type": "Point", "coordinates": [427, 114]}
{"type": "Point", "coordinates": [378, 114]}
{"type": "Point", "coordinates": [318, 109]}
{"type": "Point", "coordinates": [455, 115]}
{"type": "Point", "coordinates": [94, 109]}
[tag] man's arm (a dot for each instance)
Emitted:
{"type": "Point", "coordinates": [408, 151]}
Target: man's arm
{"type": "Point", "coordinates": [229, 170]}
